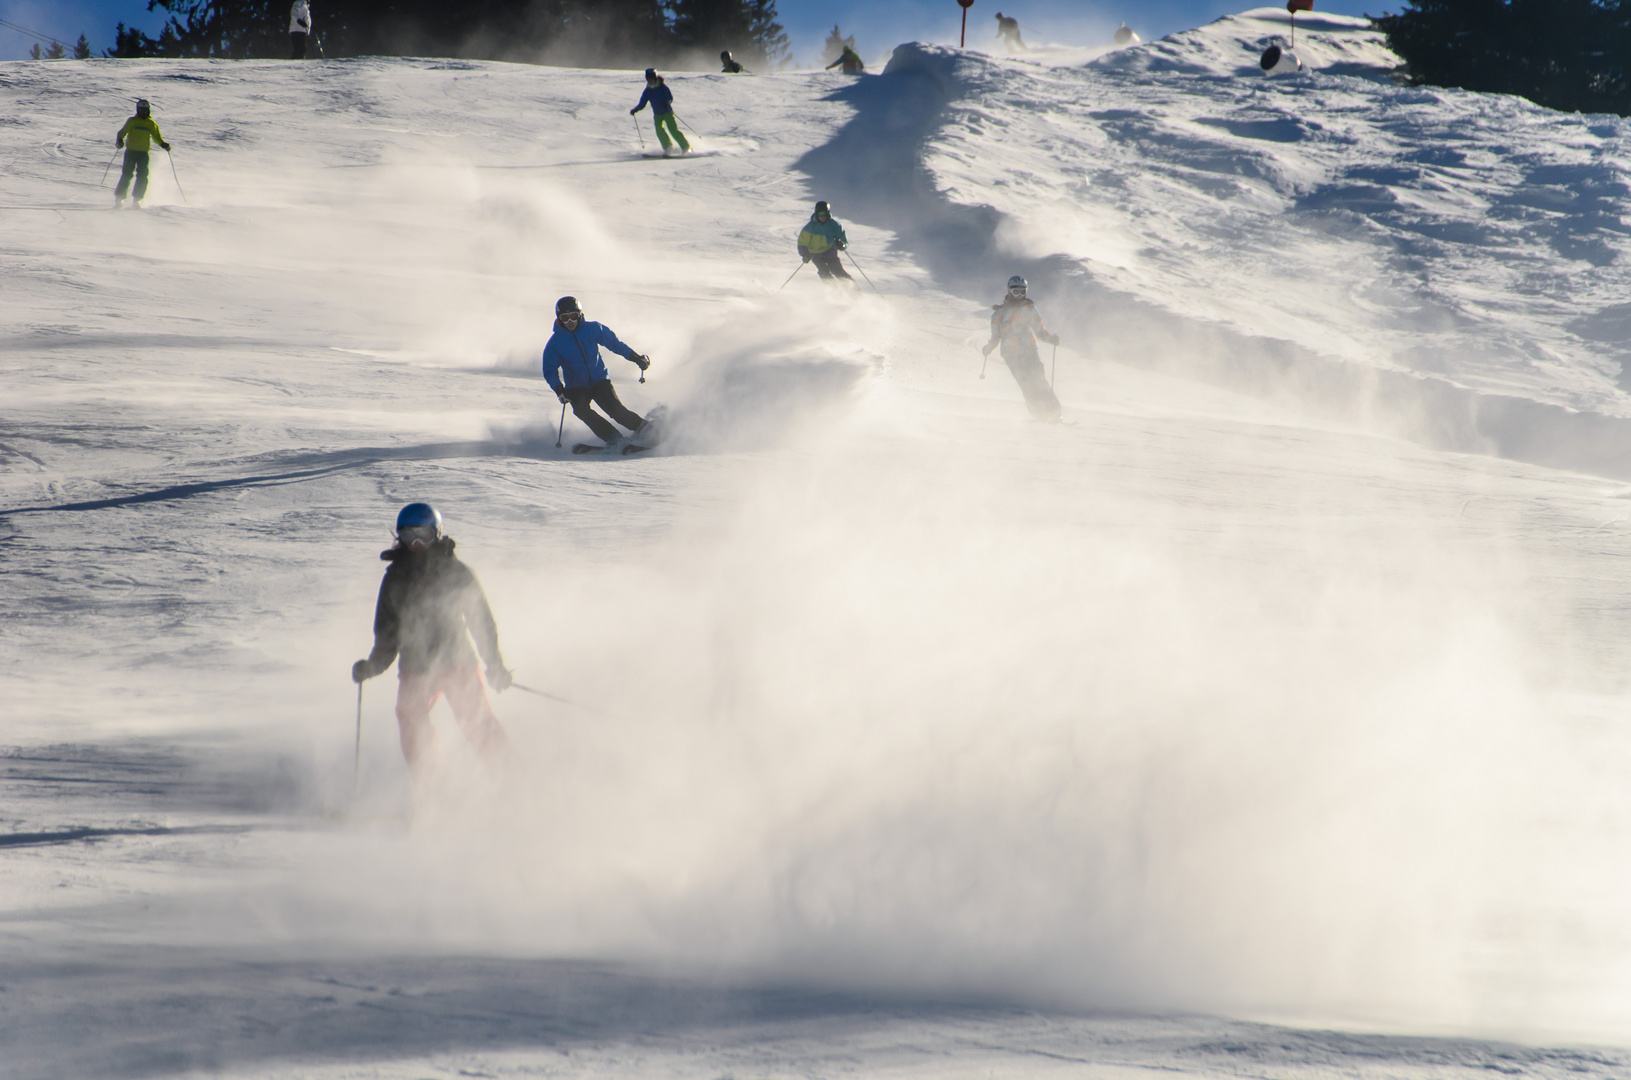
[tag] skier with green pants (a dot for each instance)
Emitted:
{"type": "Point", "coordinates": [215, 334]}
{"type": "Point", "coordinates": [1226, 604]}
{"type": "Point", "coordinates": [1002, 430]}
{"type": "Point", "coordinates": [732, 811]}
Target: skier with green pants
{"type": "Point", "coordinates": [661, 99]}
{"type": "Point", "coordinates": [136, 138]}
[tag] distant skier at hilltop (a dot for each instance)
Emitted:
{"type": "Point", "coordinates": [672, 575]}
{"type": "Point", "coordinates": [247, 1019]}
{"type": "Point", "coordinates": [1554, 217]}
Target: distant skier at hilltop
{"type": "Point", "coordinates": [730, 65]}
{"type": "Point", "coordinates": [430, 605]}
{"type": "Point", "coordinates": [137, 138]}
{"type": "Point", "coordinates": [1008, 30]}
{"type": "Point", "coordinates": [661, 100]}
{"type": "Point", "coordinates": [577, 374]}
{"type": "Point", "coordinates": [299, 29]}
{"type": "Point", "coordinates": [851, 61]}
{"type": "Point", "coordinates": [820, 242]}
{"type": "Point", "coordinates": [1015, 326]}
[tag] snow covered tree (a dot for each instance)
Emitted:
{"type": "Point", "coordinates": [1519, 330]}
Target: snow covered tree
{"type": "Point", "coordinates": [1564, 54]}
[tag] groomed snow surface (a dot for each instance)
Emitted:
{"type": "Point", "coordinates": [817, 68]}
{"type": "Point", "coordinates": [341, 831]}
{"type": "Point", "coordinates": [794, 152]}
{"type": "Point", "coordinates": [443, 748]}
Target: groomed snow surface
{"type": "Point", "coordinates": [1265, 719]}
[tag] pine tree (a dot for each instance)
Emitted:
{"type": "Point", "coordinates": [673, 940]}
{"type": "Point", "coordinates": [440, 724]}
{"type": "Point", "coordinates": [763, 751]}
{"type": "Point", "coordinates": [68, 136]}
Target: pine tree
{"type": "Point", "coordinates": [82, 48]}
{"type": "Point", "coordinates": [747, 28]}
{"type": "Point", "coordinates": [1564, 54]}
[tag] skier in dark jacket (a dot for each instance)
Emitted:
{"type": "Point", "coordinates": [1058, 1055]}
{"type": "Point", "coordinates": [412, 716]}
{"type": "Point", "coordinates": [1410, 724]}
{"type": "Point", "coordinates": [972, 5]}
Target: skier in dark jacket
{"type": "Point", "coordinates": [430, 605]}
{"type": "Point", "coordinates": [1015, 326]}
{"type": "Point", "coordinates": [851, 61]}
{"type": "Point", "coordinates": [661, 99]}
{"type": "Point", "coordinates": [730, 66]}
{"type": "Point", "coordinates": [577, 374]}
{"type": "Point", "coordinates": [142, 131]}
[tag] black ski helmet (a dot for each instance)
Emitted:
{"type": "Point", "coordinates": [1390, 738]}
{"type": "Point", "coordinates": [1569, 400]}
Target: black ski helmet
{"type": "Point", "coordinates": [822, 207]}
{"type": "Point", "coordinates": [418, 516]}
{"type": "Point", "coordinates": [724, 54]}
{"type": "Point", "coordinates": [651, 73]}
{"type": "Point", "coordinates": [567, 304]}
{"type": "Point", "coordinates": [142, 107]}
{"type": "Point", "coordinates": [1017, 282]}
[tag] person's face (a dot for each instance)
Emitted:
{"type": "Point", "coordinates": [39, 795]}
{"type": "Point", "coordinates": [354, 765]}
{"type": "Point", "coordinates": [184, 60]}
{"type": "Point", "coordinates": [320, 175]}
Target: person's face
{"type": "Point", "coordinates": [1017, 292]}
{"type": "Point", "coordinates": [571, 319]}
{"type": "Point", "coordinates": [823, 216]}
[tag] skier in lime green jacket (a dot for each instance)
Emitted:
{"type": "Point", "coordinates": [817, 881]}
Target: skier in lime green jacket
{"type": "Point", "coordinates": [137, 137]}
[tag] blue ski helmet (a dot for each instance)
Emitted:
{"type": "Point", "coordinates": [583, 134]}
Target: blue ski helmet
{"type": "Point", "coordinates": [419, 515]}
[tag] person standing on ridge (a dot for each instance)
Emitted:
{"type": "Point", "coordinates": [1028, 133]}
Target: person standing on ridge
{"type": "Point", "coordinates": [137, 138]}
{"type": "Point", "coordinates": [1016, 325]}
{"type": "Point", "coordinates": [299, 29]}
{"type": "Point", "coordinates": [821, 241]}
{"type": "Point", "coordinates": [731, 67]}
{"type": "Point", "coordinates": [851, 61]}
{"type": "Point", "coordinates": [661, 99]}
{"type": "Point", "coordinates": [577, 374]}
{"type": "Point", "coordinates": [1008, 30]}
{"type": "Point", "coordinates": [430, 605]}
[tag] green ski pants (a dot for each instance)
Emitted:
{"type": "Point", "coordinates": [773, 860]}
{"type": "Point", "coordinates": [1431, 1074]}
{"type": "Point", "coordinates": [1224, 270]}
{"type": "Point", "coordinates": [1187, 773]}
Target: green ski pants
{"type": "Point", "coordinates": [668, 120]}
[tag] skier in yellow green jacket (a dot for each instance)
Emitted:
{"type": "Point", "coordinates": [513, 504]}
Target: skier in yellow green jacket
{"type": "Point", "coordinates": [137, 137]}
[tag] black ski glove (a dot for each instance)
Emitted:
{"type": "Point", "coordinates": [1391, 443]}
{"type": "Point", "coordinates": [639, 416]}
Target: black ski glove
{"type": "Point", "coordinates": [166, 147]}
{"type": "Point", "coordinates": [118, 144]}
{"type": "Point", "coordinates": [633, 111]}
{"type": "Point", "coordinates": [363, 669]}
{"type": "Point", "coordinates": [560, 395]}
{"type": "Point", "coordinates": [843, 245]}
{"type": "Point", "coordinates": [499, 678]}
{"type": "Point", "coordinates": [804, 253]}
{"type": "Point", "coordinates": [985, 350]}
{"type": "Point", "coordinates": [640, 361]}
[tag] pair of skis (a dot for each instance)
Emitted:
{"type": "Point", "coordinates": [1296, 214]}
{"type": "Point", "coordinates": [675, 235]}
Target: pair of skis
{"type": "Point", "coordinates": [594, 448]}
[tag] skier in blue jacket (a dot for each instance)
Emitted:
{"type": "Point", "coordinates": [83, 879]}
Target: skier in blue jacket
{"type": "Point", "coordinates": [577, 374]}
{"type": "Point", "coordinates": [661, 100]}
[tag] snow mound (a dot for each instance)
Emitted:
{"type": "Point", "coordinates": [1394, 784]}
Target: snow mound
{"type": "Point", "coordinates": [1335, 44]}
{"type": "Point", "coordinates": [1448, 263]}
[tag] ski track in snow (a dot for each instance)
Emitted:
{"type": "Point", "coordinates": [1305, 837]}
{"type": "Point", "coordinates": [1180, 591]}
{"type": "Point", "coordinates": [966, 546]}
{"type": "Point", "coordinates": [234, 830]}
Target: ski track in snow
{"type": "Point", "coordinates": [1285, 685]}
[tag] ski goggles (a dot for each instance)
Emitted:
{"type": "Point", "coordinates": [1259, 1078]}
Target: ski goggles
{"type": "Point", "coordinates": [1018, 291]}
{"type": "Point", "coordinates": [570, 317]}
{"type": "Point", "coordinates": [411, 535]}
{"type": "Point", "coordinates": [822, 215]}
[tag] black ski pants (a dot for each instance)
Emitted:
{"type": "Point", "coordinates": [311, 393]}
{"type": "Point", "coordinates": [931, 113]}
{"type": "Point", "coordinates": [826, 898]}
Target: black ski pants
{"type": "Point", "coordinates": [1027, 370]}
{"type": "Point", "coordinates": [297, 45]}
{"type": "Point", "coordinates": [602, 393]}
{"type": "Point", "coordinates": [828, 266]}
{"type": "Point", "coordinates": [135, 165]}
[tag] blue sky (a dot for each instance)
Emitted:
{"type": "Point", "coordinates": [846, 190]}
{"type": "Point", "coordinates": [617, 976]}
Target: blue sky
{"type": "Point", "coordinates": [877, 26]}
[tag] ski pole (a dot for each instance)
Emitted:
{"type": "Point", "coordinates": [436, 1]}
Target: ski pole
{"type": "Point", "coordinates": [561, 432]}
{"type": "Point", "coordinates": [984, 360]}
{"type": "Point", "coordinates": [791, 276]}
{"type": "Point", "coordinates": [638, 132]}
{"type": "Point", "coordinates": [1054, 368]}
{"type": "Point", "coordinates": [557, 697]}
{"type": "Point", "coordinates": [858, 270]}
{"type": "Point", "coordinates": [356, 757]}
{"type": "Point", "coordinates": [110, 165]}
{"type": "Point", "coordinates": [173, 172]}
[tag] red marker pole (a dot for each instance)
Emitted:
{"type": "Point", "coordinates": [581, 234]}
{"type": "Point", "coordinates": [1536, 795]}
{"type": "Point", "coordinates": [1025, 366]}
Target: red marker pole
{"type": "Point", "coordinates": [962, 40]}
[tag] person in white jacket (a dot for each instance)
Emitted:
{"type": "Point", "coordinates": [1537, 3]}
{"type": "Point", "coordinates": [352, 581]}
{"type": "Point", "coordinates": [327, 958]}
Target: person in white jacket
{"type": "Point", "coordinates": [299, 29]}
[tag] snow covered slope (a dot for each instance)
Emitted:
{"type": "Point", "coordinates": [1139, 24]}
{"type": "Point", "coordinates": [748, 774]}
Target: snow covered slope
{"type": "Point", "coordinates": [891, 731]}
{"type": "Point", "coordinates": [1432, 260]}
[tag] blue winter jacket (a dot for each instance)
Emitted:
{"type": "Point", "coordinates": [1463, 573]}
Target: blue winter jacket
{"type": "Point", "coordinates": [574, 356]}
{"type": "Point", "coordinates": [660, 97]}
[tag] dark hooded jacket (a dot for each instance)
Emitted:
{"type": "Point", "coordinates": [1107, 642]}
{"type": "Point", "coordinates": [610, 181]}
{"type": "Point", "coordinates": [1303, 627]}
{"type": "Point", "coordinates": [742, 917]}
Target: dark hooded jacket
{"type": "Point", "coordinates": [426, 603]}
